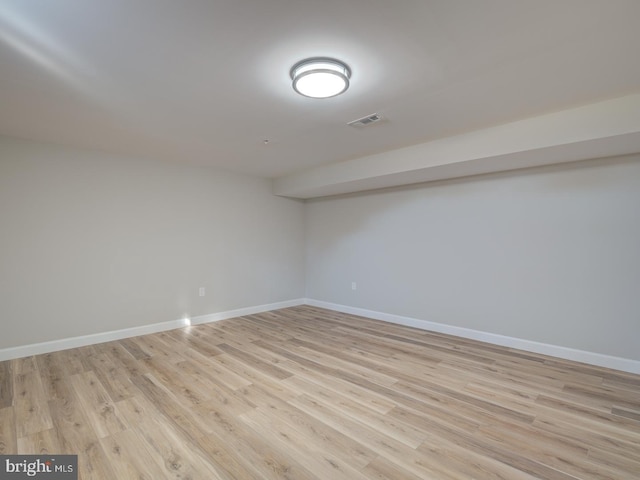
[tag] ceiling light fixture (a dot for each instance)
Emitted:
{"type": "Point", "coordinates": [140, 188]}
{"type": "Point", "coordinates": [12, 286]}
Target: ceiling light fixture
{"type": "Point", "coordinates": [320, 77]}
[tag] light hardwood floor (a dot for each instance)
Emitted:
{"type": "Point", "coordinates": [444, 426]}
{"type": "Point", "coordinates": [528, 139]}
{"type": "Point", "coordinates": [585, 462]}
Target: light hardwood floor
{"type": "Point", "coordinates": [305, 393]}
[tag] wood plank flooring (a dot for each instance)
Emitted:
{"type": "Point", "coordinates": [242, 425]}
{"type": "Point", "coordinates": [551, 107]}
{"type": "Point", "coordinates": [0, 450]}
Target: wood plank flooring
{"type": "Point", "coordinates": [306, 393]}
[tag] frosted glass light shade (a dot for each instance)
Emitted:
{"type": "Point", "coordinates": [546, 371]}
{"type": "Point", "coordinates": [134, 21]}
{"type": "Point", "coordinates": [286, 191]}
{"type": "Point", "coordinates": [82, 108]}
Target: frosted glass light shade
{"type": "Point", "coordinates": [320, 77]}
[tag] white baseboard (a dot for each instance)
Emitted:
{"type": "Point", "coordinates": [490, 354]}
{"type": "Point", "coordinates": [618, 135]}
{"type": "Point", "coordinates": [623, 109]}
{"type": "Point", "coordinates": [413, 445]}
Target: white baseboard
{"type": "Point", "coordinates": [240, 312]}
{"type": "Point", "coordinates": [598, 359]}
{"type": "Point", "coordinates": [73, 342]}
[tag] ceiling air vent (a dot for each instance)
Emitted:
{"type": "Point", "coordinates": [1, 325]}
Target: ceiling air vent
{"type": "Point", "coordinates": [364, 121]}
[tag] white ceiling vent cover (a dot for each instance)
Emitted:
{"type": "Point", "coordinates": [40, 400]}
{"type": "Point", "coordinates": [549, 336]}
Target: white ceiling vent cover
{"type": "Point", "coordinates": [364, 121]}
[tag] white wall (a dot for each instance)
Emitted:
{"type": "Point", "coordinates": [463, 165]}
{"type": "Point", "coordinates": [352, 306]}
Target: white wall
{"type": "Point", "coordinates": [91, 242]}
{"type": "Point", "coordinates": [549, 255]}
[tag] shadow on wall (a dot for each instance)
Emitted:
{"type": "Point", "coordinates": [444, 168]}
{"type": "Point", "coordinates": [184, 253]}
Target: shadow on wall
{"type": "Point", "coordinates": [354, 219]}
{"type": "Point", "coordinates": [538, 254]}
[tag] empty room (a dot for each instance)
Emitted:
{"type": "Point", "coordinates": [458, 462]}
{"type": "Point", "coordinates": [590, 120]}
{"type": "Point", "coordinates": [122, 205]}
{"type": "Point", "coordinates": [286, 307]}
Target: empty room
{"type": "Point", "coordinates": [316, 240]}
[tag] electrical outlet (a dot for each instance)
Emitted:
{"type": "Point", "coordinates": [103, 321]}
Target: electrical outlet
{"type": "Point", "coordinates": [201, 292]}
{"type": "Point", "coordinates": [354, 286]}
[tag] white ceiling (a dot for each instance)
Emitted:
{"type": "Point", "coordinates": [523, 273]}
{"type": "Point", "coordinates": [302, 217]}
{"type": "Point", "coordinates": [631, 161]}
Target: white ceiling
{"type": "Point", "coordinates": [207, 81]}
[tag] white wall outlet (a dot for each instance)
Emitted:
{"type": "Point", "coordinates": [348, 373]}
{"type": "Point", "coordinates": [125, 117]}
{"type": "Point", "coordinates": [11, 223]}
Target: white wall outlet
{"type": "Point", "coordinates": [201, 292]}
{"type": "Point", "coordinates": [354, 286]}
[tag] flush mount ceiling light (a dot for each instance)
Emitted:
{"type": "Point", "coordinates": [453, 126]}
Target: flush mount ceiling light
{"type": "Point", "coordinates": [320, 77]}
